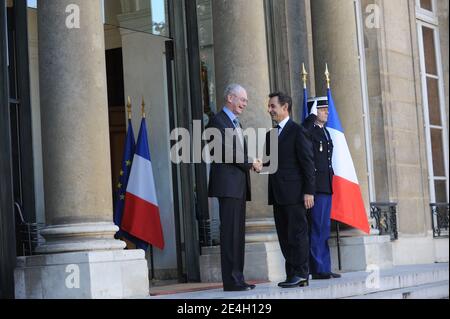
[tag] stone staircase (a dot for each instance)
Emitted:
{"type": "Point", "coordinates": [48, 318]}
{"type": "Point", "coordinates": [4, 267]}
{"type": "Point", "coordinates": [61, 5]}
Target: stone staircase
{"type": "Point", "coordinates": [437, 290]}
{"type": "Point", "coordinates": [401, 282]}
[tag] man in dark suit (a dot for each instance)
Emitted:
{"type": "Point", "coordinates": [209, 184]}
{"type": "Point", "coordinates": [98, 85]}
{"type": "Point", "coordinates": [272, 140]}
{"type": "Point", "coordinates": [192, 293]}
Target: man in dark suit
{"type": "Point", "coordinates": [229, 181]}
{"type": "Point", "coordinates": [320, 260]}
{"type": "Point", "coordinates": [291, 190]}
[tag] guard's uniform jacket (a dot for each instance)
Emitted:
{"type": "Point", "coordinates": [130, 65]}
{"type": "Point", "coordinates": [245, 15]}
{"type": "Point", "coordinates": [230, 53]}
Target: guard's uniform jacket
{"type": "Point", "coordinates": [323, 154]}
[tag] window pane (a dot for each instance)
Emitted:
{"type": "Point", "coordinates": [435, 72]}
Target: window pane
{"type": "Point", "coordinates": [160, 17]}
{"type": "Point", "coordinates": [150, 16]}
{"type": "Point", "coordinates": [440, 191]}
{"type": "Point", "coordinates": [433, 101]}
{"type": "Point", "coordinates": [12, 56]}
{"type": "Point", "coordinates": [437, 152]}
{"type": "Point", "coordinates": [430, 51]}
{"type": "Point", "coordinates": [426, 4]}
{"type": "Point", "coordinates": [205, 34]}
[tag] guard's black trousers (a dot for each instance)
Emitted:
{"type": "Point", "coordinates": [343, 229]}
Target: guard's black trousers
{"type": "Point", "coordinates": [232, 240]}
{"type": "Point", "coordinates": [292, 229]}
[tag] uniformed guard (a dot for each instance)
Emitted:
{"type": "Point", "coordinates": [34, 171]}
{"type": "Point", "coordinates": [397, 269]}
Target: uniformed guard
{"type": "Point", "coordinates": [315, 123]}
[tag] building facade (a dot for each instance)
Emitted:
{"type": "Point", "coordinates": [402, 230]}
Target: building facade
{"type": "Point", "coordinates": [67, 67]}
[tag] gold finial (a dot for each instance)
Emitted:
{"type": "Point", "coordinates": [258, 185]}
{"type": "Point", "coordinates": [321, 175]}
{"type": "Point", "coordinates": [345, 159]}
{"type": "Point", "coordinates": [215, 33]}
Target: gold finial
{"type": "Point", "coordinates": [327, 75]}
{"type": "Point", "coordinates": [129, 108]}
{"type": "Point", "coordinates": [304, 76]}
{"type": "Point", "coordinates": [143, 107]}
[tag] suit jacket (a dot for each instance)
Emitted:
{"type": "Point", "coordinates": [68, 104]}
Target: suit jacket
{"type": "Point", "coordinates": [295, 174]}
{"type": "Point", "coordinates": [323, 154]}
{"type": "Point", "coordinates": [231, 180]}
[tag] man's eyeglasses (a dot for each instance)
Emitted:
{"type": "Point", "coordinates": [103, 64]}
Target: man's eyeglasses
{"type": "Point", "coordinates": [242, 99]}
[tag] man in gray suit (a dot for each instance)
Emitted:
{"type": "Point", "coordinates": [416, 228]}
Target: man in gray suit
{"type": "Point", "coordinates": [229, 181]}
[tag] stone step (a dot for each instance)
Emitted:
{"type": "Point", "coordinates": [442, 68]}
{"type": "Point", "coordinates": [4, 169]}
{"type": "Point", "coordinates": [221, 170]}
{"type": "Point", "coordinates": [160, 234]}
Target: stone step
{"type": "Point", "coordinates": [438, 290]}
{"type": "Point", "coordinates": [350, 285]}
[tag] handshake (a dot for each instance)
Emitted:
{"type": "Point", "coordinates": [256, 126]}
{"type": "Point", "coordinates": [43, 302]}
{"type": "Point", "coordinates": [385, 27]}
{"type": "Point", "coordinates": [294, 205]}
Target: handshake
{"type": "Point", "coordinates": [257, 165]}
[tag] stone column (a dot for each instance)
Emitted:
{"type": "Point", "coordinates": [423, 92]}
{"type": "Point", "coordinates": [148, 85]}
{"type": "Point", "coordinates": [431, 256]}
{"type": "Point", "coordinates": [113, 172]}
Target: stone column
{"type": "Point", "coordinates": [240, 55]}
{"type": "Point", "coordinates": [75, 130]}
{"type": "Point", "coordinates": [299, 50]}
{"type": "Point", "coordinates": [76, 158]}
{"type": "Point", "coordinates": [289, 40]}
{"type": "Point", "coordinates": [335, 43]}
{"type": "Point", "coordinates": [335, 40]}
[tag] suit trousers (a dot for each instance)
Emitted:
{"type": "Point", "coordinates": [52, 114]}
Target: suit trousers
{"type": "Point", "coordinates": [232, 240]}
{"type": "Point", "coordinates": [320, 223]}
{"type": "Point", "coordinates": [292, 229]}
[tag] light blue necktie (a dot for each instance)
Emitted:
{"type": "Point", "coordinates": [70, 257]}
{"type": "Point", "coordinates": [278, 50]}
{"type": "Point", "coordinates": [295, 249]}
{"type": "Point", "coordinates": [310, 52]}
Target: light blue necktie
{"type": "Point", "coordinates": [236, 123]}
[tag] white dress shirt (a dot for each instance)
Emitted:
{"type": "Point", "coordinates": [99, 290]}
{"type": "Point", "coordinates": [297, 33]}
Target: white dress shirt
{"type": "Point", "coordinates": [282, 124]}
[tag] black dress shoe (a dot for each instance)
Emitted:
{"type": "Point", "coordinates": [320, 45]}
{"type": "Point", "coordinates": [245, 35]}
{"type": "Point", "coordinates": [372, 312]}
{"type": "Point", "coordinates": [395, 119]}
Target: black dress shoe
{"type": "Point", "coordinates": [334, 275]}
{"type": "Point", "coordinates": [250, 286]}
{"type": "Point", "coordinates": [294, 282]}
{"type": "Point", "coordinates": [237, 288]}
{"type": "Point", "coordinates": [288, 279]}
{"type": "Point", "coordinates": [283, 282]}
{"type": "Point", "coordinates": [321, 276]}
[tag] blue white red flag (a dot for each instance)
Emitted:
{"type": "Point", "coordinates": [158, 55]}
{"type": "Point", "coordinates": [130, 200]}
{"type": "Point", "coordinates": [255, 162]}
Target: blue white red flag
{"type": "Point", "coordinates": [141, 216]}
{"type": "Point", "coordinates": [347, 203]}
{"type": "Point", "coordinates": [127, 161]}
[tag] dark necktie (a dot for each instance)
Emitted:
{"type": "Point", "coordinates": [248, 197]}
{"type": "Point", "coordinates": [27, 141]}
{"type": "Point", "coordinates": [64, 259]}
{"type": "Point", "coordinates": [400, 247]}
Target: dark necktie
{"type": "Point", "coordinates": [279, 129]}
{"type": "Point", "coordinates": [326, 133]}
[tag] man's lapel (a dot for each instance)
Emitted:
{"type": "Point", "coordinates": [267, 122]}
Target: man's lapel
{"type": "Point", "coordinates": [229, 124]}
{"type": "Point", "coordinates": [285, 131]}
{"type": "Point", "coordinates": [226, 120]}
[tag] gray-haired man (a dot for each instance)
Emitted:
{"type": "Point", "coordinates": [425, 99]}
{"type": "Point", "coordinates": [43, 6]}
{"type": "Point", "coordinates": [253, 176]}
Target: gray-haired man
{"type": "Point", "coordinates": [230, 183]}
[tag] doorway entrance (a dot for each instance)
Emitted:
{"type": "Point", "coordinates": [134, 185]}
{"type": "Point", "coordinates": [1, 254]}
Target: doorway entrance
{"type": "Point", "coordinates": [138, 58]}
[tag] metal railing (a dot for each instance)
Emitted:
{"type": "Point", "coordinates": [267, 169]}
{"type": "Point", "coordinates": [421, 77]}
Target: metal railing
{"type": "Point", "coordinates": [204, 227]}
{"type": "Point", "coordinates": [385, 216]}
{"type": "Point", "coordinates": [27, 234]}
{"type": "Point", "coordinates": [439, 219]}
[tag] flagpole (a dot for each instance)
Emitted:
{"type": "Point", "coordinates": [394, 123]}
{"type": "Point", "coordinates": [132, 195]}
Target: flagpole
{"type": "Point", "coordinates": [338, 237]}
{"type": "Point", "coordinates": [305, 92]}
{"type": "Point", "coordinates": [143, 108]}
{"type": "Point", "coordinates": [327, 76]}
{"type": "Point", "coordinates": [304, 76]}
{"type": "Point", "coordinates": [152, 264]}
{"type": "Point", "coordinates": [338, 245]}
{"type": "Point", "coordinates": [129, 108]}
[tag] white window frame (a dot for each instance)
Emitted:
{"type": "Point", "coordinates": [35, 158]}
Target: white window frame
{"type": "Point", "coordinates": [427, 15]}
{"type": "Point", "coordinates": [432, 178]}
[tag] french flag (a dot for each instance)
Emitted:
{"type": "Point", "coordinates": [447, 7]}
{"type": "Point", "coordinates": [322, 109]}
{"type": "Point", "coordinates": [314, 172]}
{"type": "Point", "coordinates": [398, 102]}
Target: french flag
{"type": "Point", "coordinates": [347, 203]}
{"type": "Point", "coordinates": [141, 216]}
{"type": "Point", "coordinates": [305, 104]}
